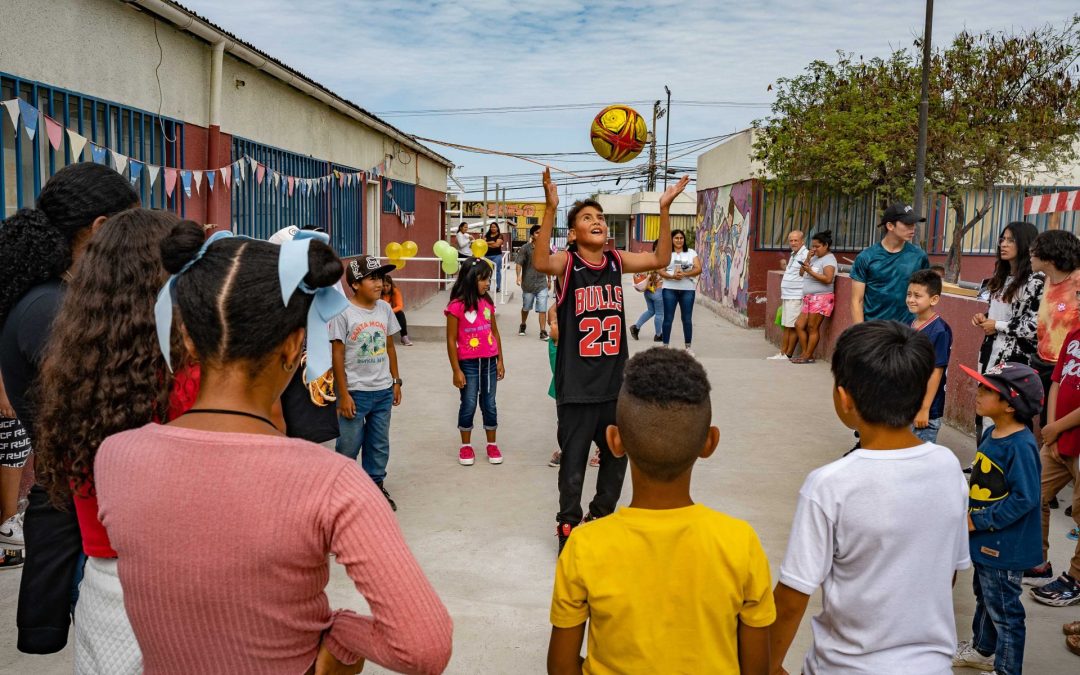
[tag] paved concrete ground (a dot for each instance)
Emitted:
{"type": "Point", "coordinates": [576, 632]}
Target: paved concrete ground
{"type": "Point", "coordinates": [485, 534]}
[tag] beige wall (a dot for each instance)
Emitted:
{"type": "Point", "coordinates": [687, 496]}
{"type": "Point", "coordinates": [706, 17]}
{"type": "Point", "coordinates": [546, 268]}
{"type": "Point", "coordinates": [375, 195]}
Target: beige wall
{"type": "Point", "coordinates": [728, 163]}
{"type": "Point", "coordinates": [106, 49]}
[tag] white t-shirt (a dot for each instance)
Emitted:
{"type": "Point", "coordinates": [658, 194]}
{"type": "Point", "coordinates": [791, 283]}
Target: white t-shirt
{"type": "Point", "coordinates": [464, 243]}
{"type": "Point", "coordinates": [881, 532]}
{"type": "Point", "coordinates": [683, 260]}
{"type": "Point", "coordinates": [791, 288]}
{"type": "Point", "coordinates": [365, 334]}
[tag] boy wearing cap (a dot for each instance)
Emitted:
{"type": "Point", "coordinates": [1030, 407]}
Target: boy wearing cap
{"type": "Point", "coordinates": [879, 277]}
{"type": "Point", "coordinates": [1003, 516]}
{"type": "Point", "coordinates": [366, 369]}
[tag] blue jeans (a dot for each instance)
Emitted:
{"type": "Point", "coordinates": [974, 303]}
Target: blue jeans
{"type": "Point", "coordinates": [685, 301]}
{"type": "Point", "coordinates": [481, 376]}
{"type": "Point", "coordinates": [998, 626]}
{"type": "Point", "coordinates": [928, 433]}
{"type": "Point", "coordinates": [368, 433]}
{"type": "Point", "coordinates": [497, 260]}
{"type": "Point", "coordinates": [654, 307]}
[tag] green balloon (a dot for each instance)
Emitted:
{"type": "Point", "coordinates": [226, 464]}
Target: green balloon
{"type": "Point", "coordinates": [450, 265]}
{"type": "Point", "coordinates": [441, 247]}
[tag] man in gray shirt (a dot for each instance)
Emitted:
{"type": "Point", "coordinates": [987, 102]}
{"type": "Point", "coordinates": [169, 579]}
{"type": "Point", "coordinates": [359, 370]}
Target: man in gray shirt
{"type": "Point", "coordinates": [534, 285]}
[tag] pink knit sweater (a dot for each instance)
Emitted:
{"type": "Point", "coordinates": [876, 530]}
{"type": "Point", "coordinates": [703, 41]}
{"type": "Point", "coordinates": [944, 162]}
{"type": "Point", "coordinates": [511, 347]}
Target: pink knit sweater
{"type": "Point", "coordinates": [223, 540]}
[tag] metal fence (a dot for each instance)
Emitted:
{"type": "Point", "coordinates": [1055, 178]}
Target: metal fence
{"type": "Point", "coordinates": [854, 219]}
{"type": "Point", "coordinates": [25, 164]}
{"type": "Point", "coordinates": [259, 210]}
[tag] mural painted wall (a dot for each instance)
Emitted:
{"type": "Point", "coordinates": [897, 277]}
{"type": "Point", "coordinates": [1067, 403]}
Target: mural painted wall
{"type": "Point", "coordinates": [723, 242]}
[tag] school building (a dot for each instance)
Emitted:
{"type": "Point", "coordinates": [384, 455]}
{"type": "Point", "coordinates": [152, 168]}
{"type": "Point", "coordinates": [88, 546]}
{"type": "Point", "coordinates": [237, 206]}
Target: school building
{"type": "Point", "coordinates": [209, 126]}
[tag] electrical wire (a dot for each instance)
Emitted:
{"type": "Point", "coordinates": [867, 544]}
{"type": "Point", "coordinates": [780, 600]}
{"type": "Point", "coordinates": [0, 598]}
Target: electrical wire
{"type": "Point", "coordinates": [503, 110]}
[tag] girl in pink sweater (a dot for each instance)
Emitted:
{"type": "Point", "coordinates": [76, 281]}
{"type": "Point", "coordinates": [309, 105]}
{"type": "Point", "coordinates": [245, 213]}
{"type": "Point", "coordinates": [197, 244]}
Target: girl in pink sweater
{"type": "Point", "coordinates": [222, 525]}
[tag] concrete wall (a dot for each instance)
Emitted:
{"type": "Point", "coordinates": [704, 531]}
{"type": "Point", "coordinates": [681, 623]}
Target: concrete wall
{"type": "Point", "coordinates": [728, 163]}
{"type": "Point", "coordinates": [429, 208]}
{"type": "Point", "coordinates": [957, 312]}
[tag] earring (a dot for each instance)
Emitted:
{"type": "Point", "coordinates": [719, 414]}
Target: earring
{"type": "Point", "coordinates": [286, 366]}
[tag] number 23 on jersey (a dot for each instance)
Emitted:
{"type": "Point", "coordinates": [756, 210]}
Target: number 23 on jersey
{"type": "Point", "coordinates": [600, 336]}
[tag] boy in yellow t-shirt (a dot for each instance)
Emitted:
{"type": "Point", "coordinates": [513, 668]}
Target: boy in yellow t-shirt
{"type": "Point", "coordinates": [665, 585]}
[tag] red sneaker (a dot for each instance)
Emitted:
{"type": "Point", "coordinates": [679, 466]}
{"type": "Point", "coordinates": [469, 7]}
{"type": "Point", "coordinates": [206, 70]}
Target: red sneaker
{"type": "Point", "coordinates": [494, 456]}
{"type": "Point", "coordinates": [562, 530]}
{"type": "Point", "coordinates": [466, 456]}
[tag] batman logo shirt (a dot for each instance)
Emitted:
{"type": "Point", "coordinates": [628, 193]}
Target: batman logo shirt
{"type": "Point", "coordinates": [987, 482]}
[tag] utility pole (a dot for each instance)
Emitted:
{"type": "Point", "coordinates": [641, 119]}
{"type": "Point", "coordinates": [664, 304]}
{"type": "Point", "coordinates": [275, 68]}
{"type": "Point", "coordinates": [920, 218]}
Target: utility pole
{"type": "Point", "coordinates": [484, 214]}
{"type": "Point", "coordinates": [656, 114]}
{"type": "Point", "coordinates": [924, 110]}
{"type": "Point", "coordinates": [667, 134]}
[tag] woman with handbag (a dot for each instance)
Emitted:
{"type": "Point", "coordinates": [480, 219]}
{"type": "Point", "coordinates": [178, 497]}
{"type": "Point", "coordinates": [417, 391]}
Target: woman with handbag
{"type": "Point", "coordinates": [651, 285]}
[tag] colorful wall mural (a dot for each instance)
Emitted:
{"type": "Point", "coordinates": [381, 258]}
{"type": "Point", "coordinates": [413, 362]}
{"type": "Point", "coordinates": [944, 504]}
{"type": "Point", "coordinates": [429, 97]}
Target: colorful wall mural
{"type": "Point", "coordinates": [723, 242]}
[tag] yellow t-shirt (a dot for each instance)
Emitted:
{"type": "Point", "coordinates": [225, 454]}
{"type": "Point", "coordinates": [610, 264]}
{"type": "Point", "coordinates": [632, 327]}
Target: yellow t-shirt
{"type": "Point", "coordinates": [663, 590]}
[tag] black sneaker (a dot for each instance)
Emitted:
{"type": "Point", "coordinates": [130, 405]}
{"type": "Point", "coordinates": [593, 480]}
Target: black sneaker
{"type": "Point", "coordinates": [589, 517]}
{"type": "Point", "coordinates": [521, 329]}
{"type": "Point", "coordinates": [562, 531]}
{"type": "Point", "coordinates": [1054, 502]}
{"type": "Point", "coordinates": [393, 506]}
{"type": "Point", "coordinates": [11, 559]}
{"type": "Point", "coordinates": [634, 331]}
{"type": "Point", "coordinates": [1068, 511]}
{"type": "Point", "coordinates": [1039, 576]}
{"type": "Point", "coordinates": [544, 335]}
{"type": "Point", "coordinates": [658, 338]}
{"type": "Point", "coordinates": [1061, 592]}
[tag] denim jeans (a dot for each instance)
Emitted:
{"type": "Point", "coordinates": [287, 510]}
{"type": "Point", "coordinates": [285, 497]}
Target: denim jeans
{"type": "Point", "coordinates": [998, 626]}
{"type": "Point", "coordinates": [368, 433]}
{"type": "Point", "coordinates": [928, 433]}
{"type": "Point", "coordinates": [481, 376]}
{"type": "Point", "coordinates": [685, 301]}
{"type": "Point", "coordinates": [497, 260]}
{"type": "Point", "coordinates": [654, 307]}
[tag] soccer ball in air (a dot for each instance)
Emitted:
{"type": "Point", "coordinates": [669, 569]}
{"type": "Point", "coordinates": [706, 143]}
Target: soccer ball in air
{"type": "Point", "coordinates": [618, 133]}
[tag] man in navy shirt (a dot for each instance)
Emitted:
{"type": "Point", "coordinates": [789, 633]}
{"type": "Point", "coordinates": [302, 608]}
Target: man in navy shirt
{"type": "Point", "coordinates": [879, 277]}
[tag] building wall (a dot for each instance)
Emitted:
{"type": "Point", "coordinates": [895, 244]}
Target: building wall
{"type": "Point", "coordinates": [429, 208]}
{"type": "Point", "coordinates": [728, 163]}
{"type": "Point", "coordinates": [725, 219]}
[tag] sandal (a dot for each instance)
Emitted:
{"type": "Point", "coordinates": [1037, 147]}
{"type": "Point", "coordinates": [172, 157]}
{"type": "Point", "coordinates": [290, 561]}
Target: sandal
{"type": "Point", "coordinates": [1072, 628]}
{"type": "Point", "coordinates": [802, 360]}
{"type": "Point", "coordinates": [1072, 643]}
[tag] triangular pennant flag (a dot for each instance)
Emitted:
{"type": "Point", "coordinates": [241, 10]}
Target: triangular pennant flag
{"type": "Point", "coordinates": [136, 171]}
{"type": "Point", "coordinates": [13, 112]}
{"type": "Point", "coordinates": [238, 171]}
{"type": "Point", "coordinates": [198, 180]}
{"type": "Point", "coordinates": [170, 181]}
{"type": "Point", "coordinates": [226, 173]}
{"type": "Point", "coordinates": [119, 162]}
{"type": "Point", "coordinates": [76, 143]}
{"type": "Point", "coordinates": [252, 162]}
{"type": "Point", "coordinates": [276, 177]}
{"type": "Point", "coordinates": [185, 179]}
{"type": "Point", "coordinates": [29, 118]}
{"type": "Point", "coordinates": [389, 186]}
{"type": "Point", "coordinates": [291, 182]}
{"type": "Point", "coordinates": [98, 153]}
{"type": "Point", "coordinates": [260, 174]}
{"type": "Point", "coordinates": [210, 175]}
{"type": "Point", "coordinates": [284, 184]}
{"type": "Point", "coordinates": [155, 170]}
{"type": "Point", "coordinates": [54, 131]}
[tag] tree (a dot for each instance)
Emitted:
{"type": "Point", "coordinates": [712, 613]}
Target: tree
{"type": "Point", "coordinates": [1001, 106]}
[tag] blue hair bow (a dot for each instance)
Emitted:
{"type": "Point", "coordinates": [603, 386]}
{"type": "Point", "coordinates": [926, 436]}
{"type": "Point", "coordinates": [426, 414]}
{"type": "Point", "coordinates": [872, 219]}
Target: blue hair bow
{"type": "Point", "coordinates": [327, 303]}
{"type": "Point", "coordinates": [166, 298]}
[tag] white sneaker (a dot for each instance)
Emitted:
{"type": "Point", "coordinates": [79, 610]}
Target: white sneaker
{"type": "Point", "coordinates": [689, 351]}
{"type": "Point", "coordinates": [777, 357]}
{"type": "Point", "coordinates": [11, 533]}
{"type": "Point", "coordinates": [967, 657]}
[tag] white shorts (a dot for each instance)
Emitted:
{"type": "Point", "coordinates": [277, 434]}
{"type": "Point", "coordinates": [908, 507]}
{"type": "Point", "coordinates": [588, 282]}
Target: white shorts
{"type": "Point", "coordinates": [792, 310]}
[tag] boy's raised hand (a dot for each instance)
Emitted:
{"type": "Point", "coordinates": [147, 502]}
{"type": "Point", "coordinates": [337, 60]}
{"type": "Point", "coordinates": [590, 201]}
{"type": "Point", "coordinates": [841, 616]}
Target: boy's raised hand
{"type": "Point", "coordinates": [551, 190]}
{"type": "Point", "coordinates": [674, 191]}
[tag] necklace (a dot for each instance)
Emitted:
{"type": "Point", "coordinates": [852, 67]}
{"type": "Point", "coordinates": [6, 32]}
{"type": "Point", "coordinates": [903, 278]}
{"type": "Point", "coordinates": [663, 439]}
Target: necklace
{"type": "Point", "coordinates": [222, 411]}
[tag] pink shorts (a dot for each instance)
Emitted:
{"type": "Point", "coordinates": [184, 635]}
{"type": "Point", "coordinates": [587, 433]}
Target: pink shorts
{"type": "Point", "coordinates": [819, 303]}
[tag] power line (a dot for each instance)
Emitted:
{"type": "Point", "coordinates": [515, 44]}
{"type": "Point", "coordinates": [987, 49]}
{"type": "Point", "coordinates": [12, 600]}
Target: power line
{"type": "Point", "coordinates": [555, 107]}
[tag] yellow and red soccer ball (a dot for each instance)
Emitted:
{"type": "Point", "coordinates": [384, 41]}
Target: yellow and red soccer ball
{"type": "Point", "coordinates": [618, 133]}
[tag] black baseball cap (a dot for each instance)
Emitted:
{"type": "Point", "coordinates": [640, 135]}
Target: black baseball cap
{"type": "Point", "coordinates": [900, 212]}
{"type": "Point", "coordinates": [367, 266]}
{"type": "Point", "coordinates": [1016, 383]}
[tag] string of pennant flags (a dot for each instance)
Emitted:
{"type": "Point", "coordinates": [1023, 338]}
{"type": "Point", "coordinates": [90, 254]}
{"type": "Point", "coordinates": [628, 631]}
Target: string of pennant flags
{"type": "Point", "coordinates": [191, 180]}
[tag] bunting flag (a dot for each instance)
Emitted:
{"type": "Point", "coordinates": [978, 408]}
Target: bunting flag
{"type": "Point", "coordinates": [76, 142]}
{"type": "Point", "coordinates": [198, 180]}
{"type": "Point", "coordinates": [154, 171]}
{"type": "Point", "coordinates": [13, 112]}
{"type": "Point", "coordinates": [260, 173]}
{"type": "Point", "coordinates": [29, 118]}
{"type": "Point", "coordinates": [291, 181]}
{"type": "Point", "coordinates": [119, 162]}
{"type": "Point", "coordinates": [252, 163]}
{"type": "Point", "coordinates": [136, 171]}
{"type": "Point", "coordinates": [275, 178]}
{"type": "Point", "coordinates": [170, 181]}
{"type": "Point", "coordinates": [185, 180]}
{"type": "Point", "coordinates": [210, 179]}
{"type": "Point", "coordinates": [98, 153]}
{"type": "Point", "coordinates": [239, 174]}
{"type": "Point", "coordinates": [225, 175]}
{"type": "Point", "coordinates": [54, 131]}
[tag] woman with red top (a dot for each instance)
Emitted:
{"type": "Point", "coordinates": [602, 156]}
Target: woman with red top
{"type": "Point", "coordinates": [263, 511]}
{"type": "Point", "coordinates": [391, 295]}
{"type": "Point", "coordinates": [103, 373]}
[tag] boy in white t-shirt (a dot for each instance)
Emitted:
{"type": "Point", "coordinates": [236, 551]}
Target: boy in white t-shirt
{"type": "Point", "coordinates": [883, 530]}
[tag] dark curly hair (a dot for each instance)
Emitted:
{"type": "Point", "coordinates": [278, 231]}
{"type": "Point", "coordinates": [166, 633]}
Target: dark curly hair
{"type": "Point", "coordinates": [230, 299]}
{"type": "Point", "coordinates": [1059, 248]}
{"type": "Point", "coordinates": [823, 236]}
{"type": "Point", "coordinates": [103, 372]}
{"type": "Point", "coordinates": [36, 244]}
{"type": "Point", "coordinates": [667, 387]}
{"type": "Point", "coordinates": [1024, 234]}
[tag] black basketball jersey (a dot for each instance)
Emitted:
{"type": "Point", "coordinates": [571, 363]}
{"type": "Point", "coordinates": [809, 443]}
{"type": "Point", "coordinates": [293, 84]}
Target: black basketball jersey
{"type": "Point", "coordinates": [592, 348]}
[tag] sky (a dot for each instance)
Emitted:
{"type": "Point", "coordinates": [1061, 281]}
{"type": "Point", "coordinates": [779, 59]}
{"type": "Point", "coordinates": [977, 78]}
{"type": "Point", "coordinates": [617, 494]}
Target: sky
{"type": "Point", "coordinates": [409, 55]}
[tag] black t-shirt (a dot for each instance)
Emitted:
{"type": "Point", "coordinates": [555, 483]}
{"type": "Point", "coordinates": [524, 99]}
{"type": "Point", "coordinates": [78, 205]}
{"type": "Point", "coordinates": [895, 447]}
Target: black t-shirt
{"type": "Point", "coordinates": [592, 350]}
{"type": "Point", "coordinates": [490, 239]}
{"type": "Point", "coordinates": [304, 416]}
{"type": "Point", "coordinates": [22, 345]}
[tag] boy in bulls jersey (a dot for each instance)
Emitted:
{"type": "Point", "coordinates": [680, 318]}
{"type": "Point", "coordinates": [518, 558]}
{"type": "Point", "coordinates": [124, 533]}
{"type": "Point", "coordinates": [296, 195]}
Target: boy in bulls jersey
{"type": "Point", "coordinates": [592, 350]}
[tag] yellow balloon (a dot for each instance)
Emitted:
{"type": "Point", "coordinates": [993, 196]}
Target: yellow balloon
{"type": "Point", "coordinates": [479, 248]}
{"type": "Point", "coordinates": [409, 248]}
{"type": "Point", "coordinates": [393, 250]}
{"type": "Point", "coordinates": [397, 262]}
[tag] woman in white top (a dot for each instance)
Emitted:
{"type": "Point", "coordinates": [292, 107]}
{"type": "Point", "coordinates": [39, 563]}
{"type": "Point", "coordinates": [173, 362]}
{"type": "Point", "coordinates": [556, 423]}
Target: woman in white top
{"type": "Point", "coordinates": [818, 271]}
{"type": "Point", "coordinates": [680, 287]}
{"type": "Point", "coordinates": [463, 241]}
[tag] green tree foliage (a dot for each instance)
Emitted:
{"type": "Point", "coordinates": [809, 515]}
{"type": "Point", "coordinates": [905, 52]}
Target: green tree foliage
{"type": "Point", "coordinates": [1002, 106]}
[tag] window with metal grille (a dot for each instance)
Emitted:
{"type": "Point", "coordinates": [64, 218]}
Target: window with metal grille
{"type": "Point", "coordinates": [404, 194]}
{"type": "Point", "coordinates": [26, 165]}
